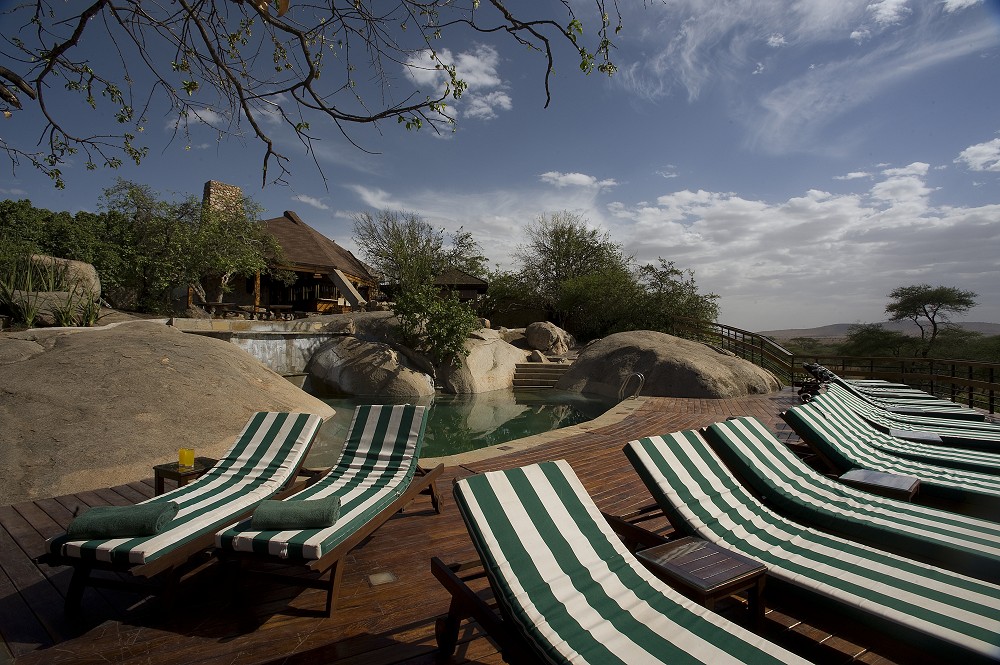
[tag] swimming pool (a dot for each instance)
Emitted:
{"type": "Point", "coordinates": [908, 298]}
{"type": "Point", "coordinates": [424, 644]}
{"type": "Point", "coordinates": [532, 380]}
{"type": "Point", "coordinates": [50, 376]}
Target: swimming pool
{"type": "Point", "coordinates": [460, 423]}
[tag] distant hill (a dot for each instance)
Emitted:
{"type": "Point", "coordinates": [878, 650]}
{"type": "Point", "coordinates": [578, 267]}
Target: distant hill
{"type": "Point", "coordinates": [840, 330]}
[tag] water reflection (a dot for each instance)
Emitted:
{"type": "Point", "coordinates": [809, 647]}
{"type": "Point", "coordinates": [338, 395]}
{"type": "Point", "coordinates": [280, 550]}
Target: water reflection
{"type": "Point", "coordinates": [459, 423]}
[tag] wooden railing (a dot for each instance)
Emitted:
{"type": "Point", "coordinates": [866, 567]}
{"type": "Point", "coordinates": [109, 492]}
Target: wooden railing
{"type": "Point", "coordinates": [969, 382]}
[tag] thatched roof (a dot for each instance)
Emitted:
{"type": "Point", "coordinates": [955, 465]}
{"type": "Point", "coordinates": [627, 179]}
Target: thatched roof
{"type": "Point", "coordinates": [306, 249]}
{"type": "Point", "coordinates": [456, 277]}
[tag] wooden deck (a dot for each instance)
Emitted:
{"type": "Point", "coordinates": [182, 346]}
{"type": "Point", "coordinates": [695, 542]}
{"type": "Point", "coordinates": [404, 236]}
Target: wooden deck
{"type": "Point", "coordinates": [384, 623]}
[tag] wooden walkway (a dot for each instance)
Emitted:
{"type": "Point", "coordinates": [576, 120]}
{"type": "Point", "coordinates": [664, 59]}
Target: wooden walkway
{"type": "Point", "coordinates": [391, 622]}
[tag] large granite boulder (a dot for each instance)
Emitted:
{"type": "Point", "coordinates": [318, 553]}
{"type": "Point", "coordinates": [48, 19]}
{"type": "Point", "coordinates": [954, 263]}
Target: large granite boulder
{"type": "Point", "coordinates": [549, 338]}
{"type": "Point", "coordinates": [351, 366]}
{"type": "Point", "coordinates": [78, 276]}
{"type": "Point", "coordinates": [85, 408]}
{"type": "Point", "coordinates": [672, 367]}
{"type": "Point", "coordinates": [489, 366]}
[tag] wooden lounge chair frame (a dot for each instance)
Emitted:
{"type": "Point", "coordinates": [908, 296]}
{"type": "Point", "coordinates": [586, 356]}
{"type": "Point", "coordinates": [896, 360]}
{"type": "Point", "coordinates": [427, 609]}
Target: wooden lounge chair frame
{"type": "Point", "coordinates": [163, 574]}
{"type": "Point", "coordinates": [330, 567]}
{"type": "Point", "coordinates": [325, 572]}
{"type": "Point", "coordinates": [965, 624]}
{"type": "Point", "coordinates": [567, 585]}
{"type": "Point", "coordinates": [467, 604]}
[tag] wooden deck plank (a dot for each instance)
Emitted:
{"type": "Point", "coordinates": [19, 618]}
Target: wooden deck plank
{"type": "Point", "coordinates": [381, 625]}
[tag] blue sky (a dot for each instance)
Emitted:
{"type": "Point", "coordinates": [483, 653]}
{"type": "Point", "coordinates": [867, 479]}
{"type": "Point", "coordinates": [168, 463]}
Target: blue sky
{"type": "Point", "coordinates": [803, 158]}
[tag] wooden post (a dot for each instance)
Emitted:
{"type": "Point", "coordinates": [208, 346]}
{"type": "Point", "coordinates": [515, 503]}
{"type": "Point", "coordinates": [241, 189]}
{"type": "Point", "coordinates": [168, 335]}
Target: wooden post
{"type": "Point", "coordinates": [256, 290]}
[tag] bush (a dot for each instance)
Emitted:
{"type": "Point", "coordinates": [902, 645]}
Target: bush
{"type": "Point", "coordinates": [435, 325]}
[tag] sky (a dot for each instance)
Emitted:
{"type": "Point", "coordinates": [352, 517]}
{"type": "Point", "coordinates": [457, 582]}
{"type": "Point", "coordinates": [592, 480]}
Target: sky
{"type": "Point", "coordinates": [803, 158]}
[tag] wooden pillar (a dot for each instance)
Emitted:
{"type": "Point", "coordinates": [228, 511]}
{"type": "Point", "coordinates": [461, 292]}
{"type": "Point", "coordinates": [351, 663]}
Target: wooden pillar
{"type": "Point", "coordinates": [256, 290]}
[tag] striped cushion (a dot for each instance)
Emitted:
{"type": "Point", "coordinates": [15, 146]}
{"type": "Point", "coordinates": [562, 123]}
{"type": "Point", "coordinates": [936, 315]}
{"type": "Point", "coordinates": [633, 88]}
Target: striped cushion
{"type": "Point", "coordinates": [848, 448]}
{"type": "Point", "coordinates": [574, 591]}
{"type": "Point", "coordinates": [939, 408]}
{"type": "Point", "coordinates": [973, 460]}
{"type": "Point", "coordinates": [263, 459]}
{"type": "Point", "coordinates": [376, 466]}
{"type": "Point", "coordinates": [965, 544]}
{"type": "Point", "coordinates": [955, 432]}
{"type": "Point", "coordinates": [693, 486]}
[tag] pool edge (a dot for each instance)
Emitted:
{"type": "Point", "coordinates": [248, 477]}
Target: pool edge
{"type": "Point", "coordinates": [613, 415]}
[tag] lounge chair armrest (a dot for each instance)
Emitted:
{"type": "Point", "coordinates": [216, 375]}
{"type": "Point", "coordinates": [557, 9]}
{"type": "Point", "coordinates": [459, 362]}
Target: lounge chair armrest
{"type": "Point", "coordinates": [634, 537]}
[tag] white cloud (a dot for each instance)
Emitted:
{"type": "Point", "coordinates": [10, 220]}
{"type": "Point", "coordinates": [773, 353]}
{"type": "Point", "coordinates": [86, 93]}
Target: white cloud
{"type": "Point", "coordinates": [311, 201]}
{"type": "Point", "coordinates": [14, 191]}
{"type": "Point", "coordinates": [888, 12]}
{"type": "Point", "coordinates": [487, 92]}
{"type": "Point", "coordinates": [818, 256]}
{"type": "Point", "coordinates": [759, 69]}
{"type": "Point", "coordinates": [776, 40]}
{"type": "Point", "coordinates": [485, 106]}
{"type": "Point", "coordinates": [853, 175]}
{"type": "Point", "coordinates": [793, 114]}
{"type": "Point", "coordinates": [576, 180]}
{"type": "Point", "coordinates": [956, 5]}
{"type": "Point", "coordinates": [981, 157]}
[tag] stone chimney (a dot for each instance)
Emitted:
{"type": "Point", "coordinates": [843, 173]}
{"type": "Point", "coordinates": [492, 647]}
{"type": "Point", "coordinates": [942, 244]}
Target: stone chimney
{"type": "Point", "coordinates": [220, 196]}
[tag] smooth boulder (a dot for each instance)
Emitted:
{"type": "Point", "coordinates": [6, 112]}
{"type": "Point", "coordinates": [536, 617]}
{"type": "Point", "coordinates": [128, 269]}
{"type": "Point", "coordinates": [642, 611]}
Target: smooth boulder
{"type": "Point", "coordinates": [352, 366]}
{"type": "Point", "coordinates": [549, 338]}
{"type": "Point", "coordinates": [85, 408]}
{"type": "Point", "coordinates": [489, 365]}
{"type": "Point", "coordinates": [671, 367]}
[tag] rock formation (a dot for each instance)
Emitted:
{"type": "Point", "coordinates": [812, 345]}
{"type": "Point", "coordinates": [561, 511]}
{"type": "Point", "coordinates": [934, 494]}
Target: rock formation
{"type": "Point", "coordinates": [84, 408]}
{"type": "Point", "coordinates": [351, 366]}
{"type": "Point", "coordinates": [549, 338]}
{"type": "Point", "coordinates": [489, 365]}
{"type": "Point", "coordinates": [672, 367]}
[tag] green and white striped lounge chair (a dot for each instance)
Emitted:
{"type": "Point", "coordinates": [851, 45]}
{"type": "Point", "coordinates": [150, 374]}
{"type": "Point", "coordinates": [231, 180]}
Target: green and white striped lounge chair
{"type": "Point", "coordinates": [785, 483]}
{"type": "Point", "coordinates": [568, 589]}
{"type": "Point", "coordinates": [958, 433]}
{"type": "Point", "coordinates": [264, 460]}
{"type": "Point", "coordinates": [374, 478]}
{"type": "Point", "coordinates": [952, 615]}
{"type": "Point", "coordinates": [917, 407]}
{"type": "Point", "coordinates": [931, 453]}
{"type": "Point", "coordinates": [843, 448]}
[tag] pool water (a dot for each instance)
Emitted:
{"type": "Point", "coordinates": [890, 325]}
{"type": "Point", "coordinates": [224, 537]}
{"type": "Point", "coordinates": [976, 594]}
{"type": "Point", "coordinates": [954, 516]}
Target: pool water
{"type": "Point", "coordinates": [460, 423]}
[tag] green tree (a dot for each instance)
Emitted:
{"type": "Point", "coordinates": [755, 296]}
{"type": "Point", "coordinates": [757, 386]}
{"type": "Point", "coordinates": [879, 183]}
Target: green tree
{"type": "Point", "coordinates": [130, 62]}
{"type": "Point", "coordinates": [169, 245]}
{"type": "Point", "coordinates": [434, 324]}
{"type": "Point", "coordinates": [929, 307]}
{"type": "Point", "coordinates": [872, 339]}
{"type": "Point", "coordinates": [562, 247]}
{"type": "Point", "coordinates": [670, 293]}
{"type": "Point", "coordinates": [408, 252]}
{"type": "Point", "coordinates": [507, 292]}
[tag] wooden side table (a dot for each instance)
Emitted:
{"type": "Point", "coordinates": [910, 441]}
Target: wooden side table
{"type": "Point", "coordinates": [894, 486]}
{"type": "Point", "coordinates": [173, 471]}
{"type": "Point", "coordinates": [706, 572]}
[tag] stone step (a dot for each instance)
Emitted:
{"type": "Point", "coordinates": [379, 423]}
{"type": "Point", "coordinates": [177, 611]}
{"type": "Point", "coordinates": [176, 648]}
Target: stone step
{"type": "Point", "coordinates": [538, 375]}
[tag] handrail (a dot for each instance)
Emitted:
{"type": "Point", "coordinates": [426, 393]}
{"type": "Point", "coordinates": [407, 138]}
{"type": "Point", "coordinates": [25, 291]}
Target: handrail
{"type": "Point", "coordinates": [971, 382]}
{"type": "Point", "coordinates": [642, 382]}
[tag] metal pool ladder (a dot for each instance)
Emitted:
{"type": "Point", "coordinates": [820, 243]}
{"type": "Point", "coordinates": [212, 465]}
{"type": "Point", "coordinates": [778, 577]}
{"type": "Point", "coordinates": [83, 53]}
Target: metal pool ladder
{"type": "Point", "coordinates": [638, 389]}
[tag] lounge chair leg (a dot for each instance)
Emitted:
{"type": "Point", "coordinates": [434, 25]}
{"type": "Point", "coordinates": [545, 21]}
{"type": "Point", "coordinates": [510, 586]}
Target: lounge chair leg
{"type": "Point", "coordinates": [336, 575]}
{"type": "Point", "coordinates": [446, 629]}
{"type": "Point", "coordinates": [74, 596]}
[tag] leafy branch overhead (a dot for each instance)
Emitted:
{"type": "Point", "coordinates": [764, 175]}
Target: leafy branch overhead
{"type": "Point", "coordinates": [247, 68]}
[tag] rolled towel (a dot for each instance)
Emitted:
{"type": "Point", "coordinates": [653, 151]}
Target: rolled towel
{"type": "Point", "coordinates": [144, 519]}
{"type": "Point", "coordinates": [288, 515]}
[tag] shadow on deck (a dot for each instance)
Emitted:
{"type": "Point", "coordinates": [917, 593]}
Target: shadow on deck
{"type": "Point", "coordinates": [377, 624]}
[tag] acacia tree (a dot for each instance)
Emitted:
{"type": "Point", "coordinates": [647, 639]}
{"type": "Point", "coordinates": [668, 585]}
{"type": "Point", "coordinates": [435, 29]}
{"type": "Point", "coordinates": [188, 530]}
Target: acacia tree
{"type": "Point", "coordinates": [929, 307]}
{"type": "Point", "coordinates": [239, 66]}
